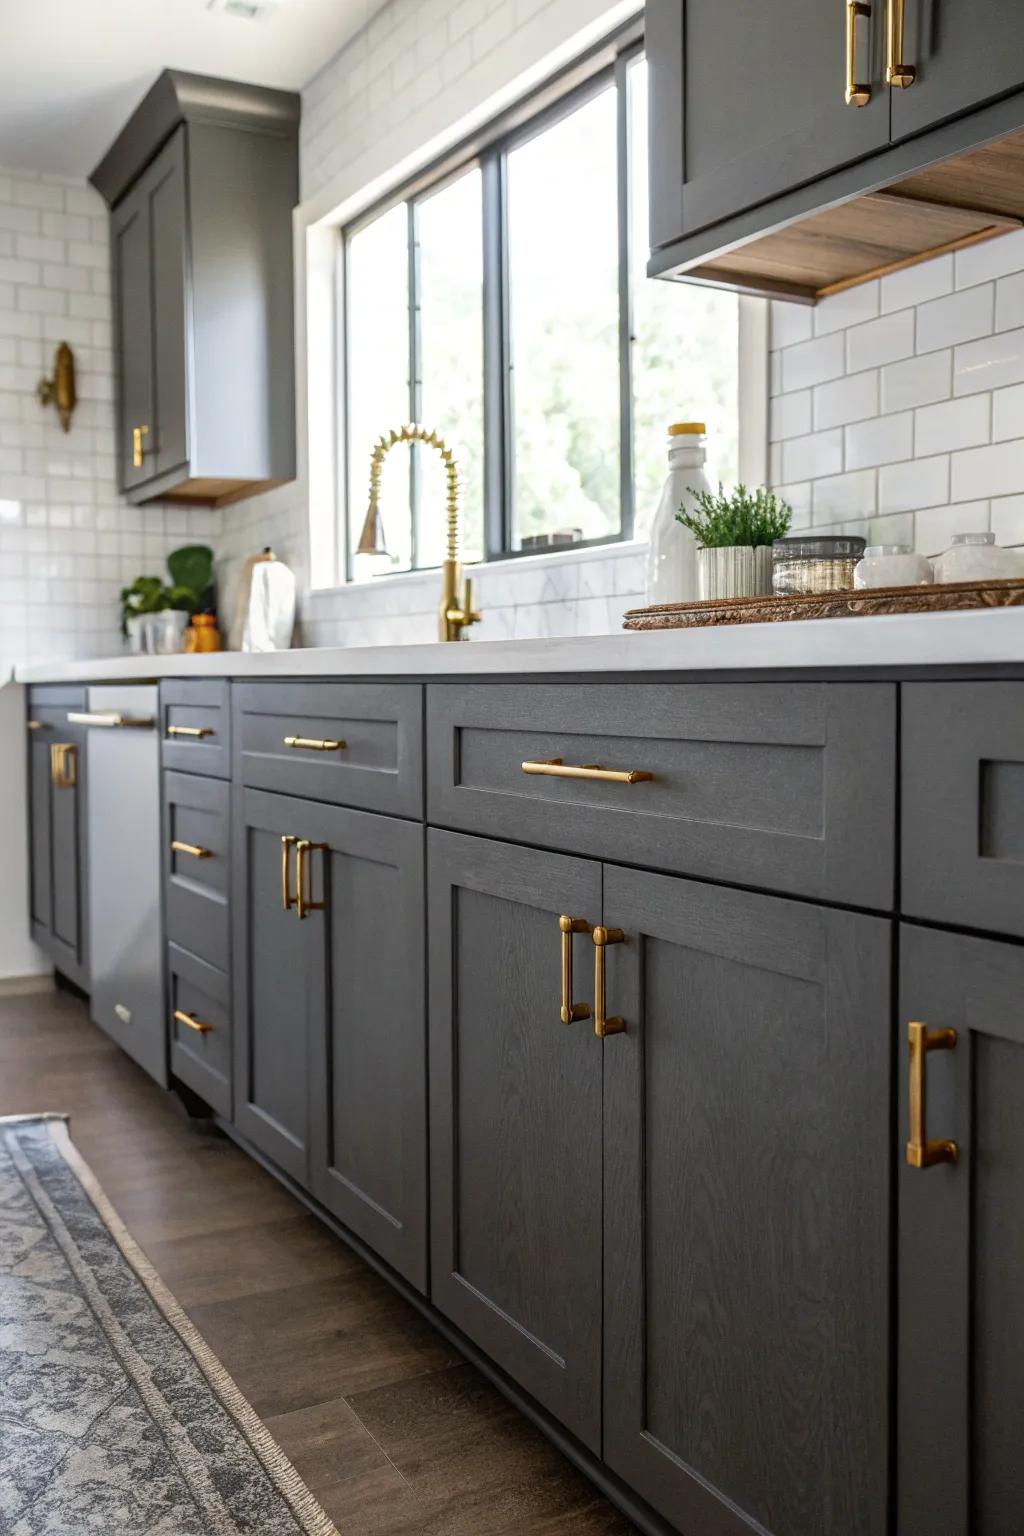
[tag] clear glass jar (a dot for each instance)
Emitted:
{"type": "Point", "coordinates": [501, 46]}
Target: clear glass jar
{"type": "Point", "coordinates": [892, 565]}
{"type": "Point", "coordinates": [801, 565]}
{"type": "Point", "coordinates": [976, 557]}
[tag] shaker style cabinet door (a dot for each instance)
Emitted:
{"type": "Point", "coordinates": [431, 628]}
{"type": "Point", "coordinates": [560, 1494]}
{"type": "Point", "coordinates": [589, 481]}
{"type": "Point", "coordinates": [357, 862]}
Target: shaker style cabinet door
{"type": "Point", "coordinates": [961, 56]}
{"type": "Point", "coordinates": [515, 1118]}
{"type": "Point", "coordinates": [748, 100]}
{"type": "Point", "coordinates": [961, 1226]}
{"type": "Point", "coordinates": [131, 245]}
{"type": "Point", "coordinates": [747, 1169]}
{"type": "Point", "coordinates": [57, 775]}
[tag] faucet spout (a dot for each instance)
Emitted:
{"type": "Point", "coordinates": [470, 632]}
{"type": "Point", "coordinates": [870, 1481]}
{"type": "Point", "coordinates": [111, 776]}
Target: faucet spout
{"type": "Point", "coordinates": [454, 617]}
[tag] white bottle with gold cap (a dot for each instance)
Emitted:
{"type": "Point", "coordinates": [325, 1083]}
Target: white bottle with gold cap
{"type": "Point", "coordinates": [672, 554]}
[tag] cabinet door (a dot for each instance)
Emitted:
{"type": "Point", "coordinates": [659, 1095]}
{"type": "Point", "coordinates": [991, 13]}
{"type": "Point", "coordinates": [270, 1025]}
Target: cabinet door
{"type": "Point", "coordinates": [165, 192]}
{"type": "Point", "coordinates": [130, 254]}
{"type": "Point", "coordinates": [515, 1129]}
{"type": "Point", "coordinates": [67, 832]}
{"type": "Point", "coordinates": [747, 1169]}
{"type": "Point", "coordinates": [273, 983]}
{"type": "Point", "coordinates": [40, 799]}
{"type": "Point", "coordinates": [368, 1125]}
{"type": "Point", "coordinates": [961, 1258]}
{"type": "Point", "coordinates": [962, 56]}
{"type": "Point", "coordinates": [747, 100]}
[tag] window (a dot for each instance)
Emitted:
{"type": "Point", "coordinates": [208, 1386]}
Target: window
{"type": "Point", "coordinates": [505, 304]}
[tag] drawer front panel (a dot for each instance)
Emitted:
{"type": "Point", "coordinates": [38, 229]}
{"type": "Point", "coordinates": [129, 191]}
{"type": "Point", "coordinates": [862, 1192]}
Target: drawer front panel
{"type": "Point", "coordinates": [963, 804]}
{"type": "Point", "coordinates": [62, 696]}
{"type": "Point", "coordinates": [786, 786]}
{"type": "Point", "coordinates": [372, 732]}
{"type": "Point", "coordinates": [200, 1057]}
{"type": "Point", "coordinates": [195, 726]}
{"type": "Point", "coordinates": [196, 818]}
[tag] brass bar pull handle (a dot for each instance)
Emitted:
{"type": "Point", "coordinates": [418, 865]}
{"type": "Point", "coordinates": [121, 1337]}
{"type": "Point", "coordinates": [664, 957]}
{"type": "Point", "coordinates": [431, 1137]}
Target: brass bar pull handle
{"type": "Point", "coordinates": [192, 848]}
{"type": "Point", "coordinates": [603, 1025]}
{"type": "Point", "coordinates": [896, 71]}
{"type": "Point", "coordinates": [571, 1012]}
{"type": "Point", "coordinates": [191, 1022]}
{"type": "Point", "coordinates": [922, 1153]}
{"type": "Point", "coordinates": [110, 719]}
{"type": "Point", "coordinates": [198, 731]}
{"type": "Point", "coordinates": [36, 725]}
{"type": "Point", "coordinates": [856, 95]}
{"type": "Point", "coordinates": [64, 764]}
{"type": "Point", "coordinates": [554, 768]}
{"type": "Point", "coordinates": [287, 899]}
{"type": "Point", "coordinates": [138, 452]}
{"type": "Point", "coordinates": [314, 744]}
{"type": "Point", "coordinates": [304, 899]}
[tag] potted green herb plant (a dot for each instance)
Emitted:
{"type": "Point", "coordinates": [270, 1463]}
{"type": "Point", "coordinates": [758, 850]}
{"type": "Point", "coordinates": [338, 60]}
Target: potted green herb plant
{"type": "Point", "coordinates": [734, 532]}
{"type": "Point", "coordinates": [146, 604]}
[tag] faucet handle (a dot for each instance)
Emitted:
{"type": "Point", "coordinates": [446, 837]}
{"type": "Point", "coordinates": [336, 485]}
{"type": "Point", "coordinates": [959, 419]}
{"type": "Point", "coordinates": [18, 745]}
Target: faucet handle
{"type": "Point", "coordinates": [468, 614]}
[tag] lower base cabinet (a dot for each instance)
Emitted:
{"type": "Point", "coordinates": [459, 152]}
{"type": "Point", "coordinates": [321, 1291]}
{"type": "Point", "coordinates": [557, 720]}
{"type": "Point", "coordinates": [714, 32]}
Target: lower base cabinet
{"type": "Point", "coordinates": [329, 1026]}
{"type": "Point", "coordinates": [705, 1188]}
{"type": "Point", "coordinates": [57, 779]}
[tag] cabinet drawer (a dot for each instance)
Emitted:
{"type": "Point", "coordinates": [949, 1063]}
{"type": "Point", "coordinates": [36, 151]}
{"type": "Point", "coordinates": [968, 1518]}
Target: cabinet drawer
{"type": "Point", "coordinates": [786, 786]}
{"type": "Point", "coordinates": [353, 744]}
{"type": "Point", "coordinates": [196, 818]}
{"type": "Point", "coordinates": [195, 726]}
{"type": "Point", "coordinates": [963, 804]}
{"type": "Point", "coordinates": [200, 1057]}
{"type": "Point", "coordinates": [54, 696]}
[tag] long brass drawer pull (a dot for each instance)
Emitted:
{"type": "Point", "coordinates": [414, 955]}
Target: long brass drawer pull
{"type": "Point", "coordinates": [64, 764]}
{"type": "Point", "coordinates": [571, 1012]}
{"type": "Point", "coordinates": [287, 899]}
{"type": "Point", "coordinates": [896, 72]}
{"type": "Point", "coordinates": [314, 744]}
{"type": "Point", "coordinates": [603, 1025]}
{"type": "Point", "coordinates": [110, 720]}
{"type": "Point", "coordinates": [191, 1022]}
{"type": "Point", "coordinates": [554, 768]}
{"type": "Point", "coordinates": [37, 725]}
{"type": "Point", "coordinates": [922, 1153]}
{"type": "Point", "coordinates": [856, 95]}
{"type": "Point", "coordinates": [192, 848]}
{"type": "Point", "coordinates": [304, 900]}
{"type": "Point", "coordinates": [198, 731]}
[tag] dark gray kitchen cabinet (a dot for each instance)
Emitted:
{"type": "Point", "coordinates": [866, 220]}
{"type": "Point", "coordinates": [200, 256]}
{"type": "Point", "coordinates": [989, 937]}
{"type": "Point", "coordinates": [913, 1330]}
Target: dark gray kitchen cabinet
{"type": "Point", "coordinates": [515, 1115]}
{"type": "Point", "coordinates": [747, 1155]}
{"type": "Point", "coordinates": [57, 835]}
{"type": "Point", "coordinates": [961, 55]}
{"type": "Point", "coordinates": [747, 100]}
{"type": "Point", "coordinates": [202, 182]}
{"type": "Point", "coordinates": [329, 1016]}
{"type": "Point", "coordinates": [961, 1226]}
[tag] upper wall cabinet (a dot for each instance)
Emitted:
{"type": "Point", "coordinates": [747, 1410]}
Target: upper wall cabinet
{"type": "Point", "coordinates": [202, 182]}
{"type": "Point", "coordinates": [801, 148]}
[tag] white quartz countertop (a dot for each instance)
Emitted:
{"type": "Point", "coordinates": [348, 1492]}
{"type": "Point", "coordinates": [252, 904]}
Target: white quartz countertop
{"type": "Point", "coordinates": [987, 637]}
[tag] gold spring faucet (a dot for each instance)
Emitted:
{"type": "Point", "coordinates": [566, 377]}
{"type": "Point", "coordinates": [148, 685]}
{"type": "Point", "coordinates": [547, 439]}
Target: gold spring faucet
{"type": "Point", "coordinates": [454, 617]}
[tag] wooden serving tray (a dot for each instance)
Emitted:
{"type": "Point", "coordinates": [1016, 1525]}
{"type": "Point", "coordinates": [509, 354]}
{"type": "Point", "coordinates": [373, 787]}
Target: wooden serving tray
{"type": "Point", "coordinates": [830, 605]}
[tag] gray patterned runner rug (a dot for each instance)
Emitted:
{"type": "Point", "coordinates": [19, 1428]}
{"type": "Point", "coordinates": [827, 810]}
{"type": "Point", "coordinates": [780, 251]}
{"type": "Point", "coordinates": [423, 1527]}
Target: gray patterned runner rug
{"type": "Point", "coordinates": [115, 1417]}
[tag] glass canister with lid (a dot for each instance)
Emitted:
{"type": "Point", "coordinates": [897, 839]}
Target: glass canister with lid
{"type": "Point", "coordinates": [976, 557]}
{"type": "Point", "coordinates": [892, 565]}
{"type": "Point", "coordinates": [814, 564]}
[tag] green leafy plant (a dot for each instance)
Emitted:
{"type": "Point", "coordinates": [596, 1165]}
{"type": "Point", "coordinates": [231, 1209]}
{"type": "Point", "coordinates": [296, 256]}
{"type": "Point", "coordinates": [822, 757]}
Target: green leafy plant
{"type": "Point", "coordinates": [190, 589]}
{"type": "Point", "coordinates": [739, 517]}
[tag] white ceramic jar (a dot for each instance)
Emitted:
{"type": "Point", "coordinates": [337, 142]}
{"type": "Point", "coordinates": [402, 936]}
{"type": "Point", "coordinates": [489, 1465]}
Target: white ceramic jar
{"type": "Point", "coordinates": [976, 557]}
{"type": "Point", "coordinates": [892, 565]}
{"type": "Point", "coordinates": [672, 552]}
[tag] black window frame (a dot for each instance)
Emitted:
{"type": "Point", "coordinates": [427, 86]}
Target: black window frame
{"type": "Point", "coordinates": [606, 64]}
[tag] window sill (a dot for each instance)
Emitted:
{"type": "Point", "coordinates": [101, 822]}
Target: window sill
{"type": "Point", "coordinates": [481, 571]}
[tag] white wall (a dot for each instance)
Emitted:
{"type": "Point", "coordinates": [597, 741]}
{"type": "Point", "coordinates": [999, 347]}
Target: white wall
{"type": "Point", "coordinates": [897, 408]}
{"type": "Point", "coordinates": [18, 955]}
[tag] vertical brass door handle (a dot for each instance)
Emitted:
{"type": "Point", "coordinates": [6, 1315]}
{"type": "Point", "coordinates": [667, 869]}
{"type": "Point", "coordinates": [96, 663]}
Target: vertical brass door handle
{"type": "Point", "coordinates": [603, 1025]}
{"type": "Point", "coordinates": [896, 72]}
{"type": "Point", "coordinates": [64, 764]}
{"type": "Point", "coordinates": [922, 1153]}
{"type": "Point", "coordinates": [856, 95]}
{"type": "Point", "coordinates": [571, 1012]}
{"type": "Point", "coordinates": [303, 899]}
{"type": "Point", "coordinates": [138, 452]}
{"type": "Point", "coordinates": [287, 899]}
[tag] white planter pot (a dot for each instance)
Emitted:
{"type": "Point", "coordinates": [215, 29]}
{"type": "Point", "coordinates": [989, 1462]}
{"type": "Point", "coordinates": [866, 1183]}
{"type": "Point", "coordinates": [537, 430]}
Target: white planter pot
{"type": "Point", "coordinates": [738, 570]}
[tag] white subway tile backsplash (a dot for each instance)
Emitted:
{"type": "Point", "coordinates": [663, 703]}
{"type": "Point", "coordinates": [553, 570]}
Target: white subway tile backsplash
{"type": "Point", "coordinates": [991, 258]}
{"type": "Point", "coordinates": [917, 483]}
{"type": "Point", "coordinates": [812, 362]}
{"type": "Point", "coordinates": [1008, 413]}
{"type": "Point", "coordinates": [997, 470]}
{"type": "Point", "coordinates": [790, 323]}
{"type": "Point", "coordinates": [990, 363]}
{"type": "Point", "coordinates": [916, 285]}
{"type": "Point", "coordinates": [850, 495]}
{"type": "Point", "coordinates": [790, 415]}
{"type": "Point", "coordinates": [952, 424]}
{"type": "Point", "coordinates": [1007, 519]}
{"type": "Point", "coordinates": [880, 341]}
{"type": "Point", "coordinates": [845, 400]}
{"type": "Point", "coordinates": [958, 317]}
{"type": "Point", "coordinates": [917, 381]}
{"type": "Point", "coordinates": [885, 440]}
{"type": "Point", "coordinates": [820, 453]}
{"type": "Point", "coordinates": [845, 309]}
{"type": "Point", "coordinates": [934, 527]}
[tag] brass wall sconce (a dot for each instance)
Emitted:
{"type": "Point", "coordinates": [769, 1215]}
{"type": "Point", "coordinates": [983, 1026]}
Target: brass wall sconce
{"type": "Point", "coordinates": [60, 390]}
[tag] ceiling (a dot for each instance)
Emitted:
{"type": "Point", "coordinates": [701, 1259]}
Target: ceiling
{"type": "Point", "coordinates": [71, 71]}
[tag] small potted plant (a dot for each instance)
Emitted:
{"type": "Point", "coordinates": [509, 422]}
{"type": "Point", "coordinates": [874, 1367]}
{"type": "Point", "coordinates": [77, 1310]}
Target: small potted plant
{"type": "Point", "coordinates": [154, 615]}
{"type": "Point", "coordinates": [734, 533]}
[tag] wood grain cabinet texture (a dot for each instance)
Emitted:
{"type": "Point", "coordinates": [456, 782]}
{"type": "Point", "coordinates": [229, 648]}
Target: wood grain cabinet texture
{"type": "Point", "coordinates": [58, 905]}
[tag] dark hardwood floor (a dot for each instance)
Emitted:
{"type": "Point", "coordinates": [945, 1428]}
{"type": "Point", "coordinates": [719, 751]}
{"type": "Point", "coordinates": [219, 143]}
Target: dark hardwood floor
{"type": "Point", "coordinates": [392, 1431]}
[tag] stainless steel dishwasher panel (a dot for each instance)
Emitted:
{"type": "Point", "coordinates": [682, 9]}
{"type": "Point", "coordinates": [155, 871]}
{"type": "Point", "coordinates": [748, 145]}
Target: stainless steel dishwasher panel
{"type": "Point", "coordinates": [124, 872]}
